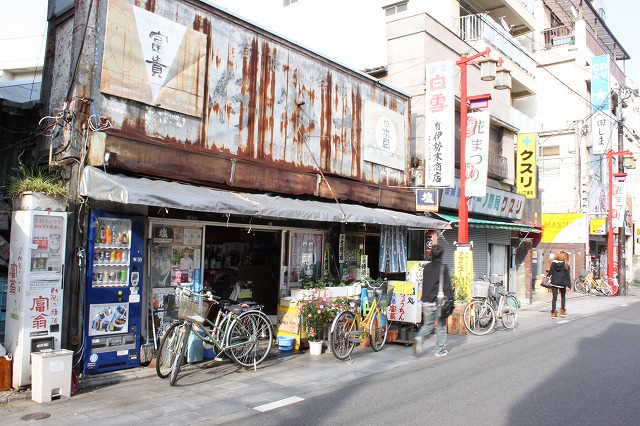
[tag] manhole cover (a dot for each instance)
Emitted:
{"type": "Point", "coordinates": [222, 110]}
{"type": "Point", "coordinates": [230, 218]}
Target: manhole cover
{"type": "Point", "coordinates": [35, 416]}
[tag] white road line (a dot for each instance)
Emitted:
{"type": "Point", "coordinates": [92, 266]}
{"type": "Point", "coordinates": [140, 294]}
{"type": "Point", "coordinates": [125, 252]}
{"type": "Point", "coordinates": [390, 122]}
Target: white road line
{"type": "Point", "coordinates": [563, 321]}
{"type": "Point", "coordinates": [625, 304]}
{"type": "Point", "coordinates": [278, 404]}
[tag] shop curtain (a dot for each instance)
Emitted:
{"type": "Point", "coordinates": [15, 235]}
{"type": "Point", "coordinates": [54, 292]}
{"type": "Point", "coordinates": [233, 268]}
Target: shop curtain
{"type": "Point", "coordinates": [393, 248]}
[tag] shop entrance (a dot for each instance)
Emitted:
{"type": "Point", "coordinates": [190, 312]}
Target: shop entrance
{"type": "Point", "coordinates": [242, 264]}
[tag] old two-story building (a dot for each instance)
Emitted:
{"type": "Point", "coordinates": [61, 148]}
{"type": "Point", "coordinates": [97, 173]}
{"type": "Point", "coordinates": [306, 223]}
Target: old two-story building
{"type": "Point", "coordinates": [203, 149]}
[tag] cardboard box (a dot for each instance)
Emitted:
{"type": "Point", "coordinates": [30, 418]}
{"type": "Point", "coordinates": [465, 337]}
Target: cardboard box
{"type": "Point", "coordinates": [455, 322]}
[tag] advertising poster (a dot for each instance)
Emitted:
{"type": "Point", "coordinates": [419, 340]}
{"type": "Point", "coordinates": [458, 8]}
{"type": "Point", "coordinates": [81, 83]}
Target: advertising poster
{"type": "Point", "coordinates": [47, 237]}
{"type": "Point", "coordinates": [477, 153]}
{"type": "Point", "coordinates": [108, 318]}
{"type": "Point", "coordinates": [384, 136]}
{"type": "Point", "coordinates": [43, 307]}
{"type": "Point", "coordinates": [527, 171]}
{"type": "Point", "coordinates": [563, 228]}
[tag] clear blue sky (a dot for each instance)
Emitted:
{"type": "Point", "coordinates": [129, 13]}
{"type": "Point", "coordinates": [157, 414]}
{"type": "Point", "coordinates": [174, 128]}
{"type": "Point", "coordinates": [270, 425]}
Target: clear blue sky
{"type": "Point", "coordinates": [23, 18]}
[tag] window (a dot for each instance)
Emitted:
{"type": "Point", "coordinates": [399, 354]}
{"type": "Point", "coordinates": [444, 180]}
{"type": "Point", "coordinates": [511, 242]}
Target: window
{"type": "Point", "coordinates": [550, 150]}
{"type": "Point", "coordinates": [396, 8]}
{"type": "Point", "coordinates": [286, 3]}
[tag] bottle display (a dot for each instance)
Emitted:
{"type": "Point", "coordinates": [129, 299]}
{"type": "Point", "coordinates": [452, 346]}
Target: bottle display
{"type": "Point", "coordinates": [111, 253]}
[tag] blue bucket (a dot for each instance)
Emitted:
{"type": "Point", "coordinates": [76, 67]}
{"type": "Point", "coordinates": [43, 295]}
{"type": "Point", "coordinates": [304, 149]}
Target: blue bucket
{"type": "Point", "coordinates": [285, 343]}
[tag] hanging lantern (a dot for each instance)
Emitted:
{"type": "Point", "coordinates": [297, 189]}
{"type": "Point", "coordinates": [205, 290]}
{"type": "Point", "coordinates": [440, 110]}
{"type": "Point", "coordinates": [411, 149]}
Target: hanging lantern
{"type": "Point", "coordinates": [488, 69]}
{"type": "Point", "coordinates": [503, 79]}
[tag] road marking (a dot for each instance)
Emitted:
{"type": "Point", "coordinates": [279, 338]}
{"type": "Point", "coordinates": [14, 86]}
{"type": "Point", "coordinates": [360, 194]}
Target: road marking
{"type": "Point", "coordinates": [625, 304]}
{"type": "Point", "coordinates": [278, 404]}
{"type": "Point", "coordinates": [563, 321]}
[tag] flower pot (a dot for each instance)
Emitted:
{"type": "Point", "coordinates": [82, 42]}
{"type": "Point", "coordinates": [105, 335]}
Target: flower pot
{"type": "Point", "coordinates": [38, 201]}
{"type": "Point", "coordinates": [315, 347]}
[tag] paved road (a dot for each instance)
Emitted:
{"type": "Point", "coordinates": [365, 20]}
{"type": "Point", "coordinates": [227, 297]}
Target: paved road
{"type": "Point", "coordinates": [212, 393]}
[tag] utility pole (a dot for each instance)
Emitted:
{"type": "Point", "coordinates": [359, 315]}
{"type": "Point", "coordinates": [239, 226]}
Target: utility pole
{"type": "Point", "coordinates": [623, 93]}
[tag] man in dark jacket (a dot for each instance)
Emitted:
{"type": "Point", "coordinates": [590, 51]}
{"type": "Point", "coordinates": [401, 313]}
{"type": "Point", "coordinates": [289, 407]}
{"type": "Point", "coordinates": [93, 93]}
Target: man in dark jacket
{"type": "Point", "coordinates": [430, 286]}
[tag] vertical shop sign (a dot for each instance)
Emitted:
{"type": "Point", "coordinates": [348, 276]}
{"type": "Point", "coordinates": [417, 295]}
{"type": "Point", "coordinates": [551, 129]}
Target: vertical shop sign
{"type": "Point", "coordinates": [618, 206]}
{"type": "Point", "coordinates": [439, 126]}
{"type": "Point", "coordinates": [477, 153]}
{"type": "Point", "coordinates": [526, 181]}
{"type": "Point", "coordinates": [600, 104]}
{"type": "Point", "coordinates": [463, 263]}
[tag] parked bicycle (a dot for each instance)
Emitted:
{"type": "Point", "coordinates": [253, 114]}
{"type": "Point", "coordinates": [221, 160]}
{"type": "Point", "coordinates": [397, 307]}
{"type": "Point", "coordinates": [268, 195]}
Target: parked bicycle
{"type": "Point", "coordinates": [243, 333]}
{"type": "Point", "coordinates": [587, 282]}
{"type": "Point", "coordinates": [350, 327]}
{"type": "Point", "coordinates": [490, 302]}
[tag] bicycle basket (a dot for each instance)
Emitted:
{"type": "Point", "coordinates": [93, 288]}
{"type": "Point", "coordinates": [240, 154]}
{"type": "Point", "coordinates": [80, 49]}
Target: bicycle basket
{"type": "Point", "coordinates": [192, 309]}
{"type": "Point", "coordinates": [480, 289]}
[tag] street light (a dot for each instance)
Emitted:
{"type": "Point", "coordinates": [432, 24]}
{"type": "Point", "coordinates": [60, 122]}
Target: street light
{"type": "Point", "coordinates": [487, 73]}
{"type": "Point", "coordinates": [610, 155]}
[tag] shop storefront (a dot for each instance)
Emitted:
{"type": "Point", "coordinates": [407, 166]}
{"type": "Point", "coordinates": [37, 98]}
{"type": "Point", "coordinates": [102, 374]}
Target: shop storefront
{"type": "Point", "coordinates": [239, 246]}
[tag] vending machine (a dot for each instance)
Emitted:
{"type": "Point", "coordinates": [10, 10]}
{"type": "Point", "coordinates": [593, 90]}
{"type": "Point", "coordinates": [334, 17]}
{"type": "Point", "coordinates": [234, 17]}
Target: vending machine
{"type": "Point", "coordinates": [114, 311]}
{"type": "Point", "coordinates": [35, 287]}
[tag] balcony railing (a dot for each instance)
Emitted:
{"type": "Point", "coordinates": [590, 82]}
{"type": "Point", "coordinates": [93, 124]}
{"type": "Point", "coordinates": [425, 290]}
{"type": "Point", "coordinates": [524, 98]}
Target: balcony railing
{"type": "Point", "coordinates": [497, 166]}
{"type": "Point", "coordinates": [558, 36]}
{"type": "Point", "coordinates": [483, 27]}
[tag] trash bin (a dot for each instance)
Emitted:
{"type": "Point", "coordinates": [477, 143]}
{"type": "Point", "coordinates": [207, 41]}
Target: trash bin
{"type": "Point", "coordinates": [51, 374]}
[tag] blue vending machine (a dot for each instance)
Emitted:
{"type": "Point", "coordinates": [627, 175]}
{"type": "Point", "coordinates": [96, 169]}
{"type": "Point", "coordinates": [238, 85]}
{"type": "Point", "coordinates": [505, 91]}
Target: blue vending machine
{"type": "Point", "coordinates": [113, 311]}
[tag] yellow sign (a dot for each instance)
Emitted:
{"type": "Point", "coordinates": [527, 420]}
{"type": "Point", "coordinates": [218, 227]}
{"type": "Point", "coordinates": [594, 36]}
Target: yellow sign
{"type": "Point", "coordinates": [598, 226]}
{"type": "Point", "coordinates": [563, 228]}
{"type": "Point", "coordinates": [463, 264]}
{"type": "Point", "coordinates": [527, 173]}
{"type": "Point", "coordinates": [403, 287]}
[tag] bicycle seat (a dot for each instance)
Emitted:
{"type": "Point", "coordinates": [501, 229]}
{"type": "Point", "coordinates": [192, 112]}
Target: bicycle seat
{"type": "Point", "coordinates": [235, 309]}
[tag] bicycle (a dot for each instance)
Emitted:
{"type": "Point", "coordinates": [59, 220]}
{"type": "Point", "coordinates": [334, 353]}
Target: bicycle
{"type": "Point", "coordinates": [490, 302]}
{"type": "Point", "coordinates": [350, 327]}
{"type": "Point", "coordinates": [587, 282]}
{"type": "Point", "coordinates": [245, 335]}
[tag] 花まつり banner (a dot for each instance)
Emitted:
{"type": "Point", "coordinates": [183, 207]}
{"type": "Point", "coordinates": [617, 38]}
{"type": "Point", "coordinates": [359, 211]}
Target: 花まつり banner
{"type": "Point", "coordinates": [563, 228]}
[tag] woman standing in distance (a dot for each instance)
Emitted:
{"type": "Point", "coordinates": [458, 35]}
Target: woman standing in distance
{"type": "Point", "coordinates": [560, 282]}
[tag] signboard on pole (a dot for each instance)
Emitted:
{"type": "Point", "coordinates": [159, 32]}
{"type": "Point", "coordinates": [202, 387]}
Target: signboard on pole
{"type": "Point", "coordinates": [477, 153]}
{"type": "Point", "coordinates": [618, 206]}
{"type": "Point", "coordinates": [439, 126]}
{"type": "Point", "coordinates": [600, 105]}
{"type": "Point", "coordinates": [526, 181]}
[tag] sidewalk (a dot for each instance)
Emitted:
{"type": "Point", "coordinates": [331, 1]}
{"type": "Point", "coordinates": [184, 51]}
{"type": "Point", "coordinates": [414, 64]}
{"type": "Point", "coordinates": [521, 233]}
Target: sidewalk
{"type": "Point", "coordinates": [138, 395]}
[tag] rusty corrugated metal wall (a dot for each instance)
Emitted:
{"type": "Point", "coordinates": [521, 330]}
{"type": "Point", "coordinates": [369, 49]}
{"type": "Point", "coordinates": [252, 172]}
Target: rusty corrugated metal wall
{"type": "Point", "coordinates": [264, 97]}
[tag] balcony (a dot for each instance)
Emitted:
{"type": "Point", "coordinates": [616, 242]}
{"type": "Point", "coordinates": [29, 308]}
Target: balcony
{"type": "Point", "coordinates": [483, 27]}
{"type": "Point", "coordinates": [559, 36]}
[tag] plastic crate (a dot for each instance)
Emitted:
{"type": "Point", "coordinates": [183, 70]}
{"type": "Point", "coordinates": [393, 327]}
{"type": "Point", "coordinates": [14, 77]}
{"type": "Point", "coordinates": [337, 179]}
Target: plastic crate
{"type": "Point", "coordinates": [480, 289]}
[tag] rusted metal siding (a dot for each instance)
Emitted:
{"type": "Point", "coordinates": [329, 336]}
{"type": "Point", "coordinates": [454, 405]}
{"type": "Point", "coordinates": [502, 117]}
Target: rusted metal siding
{"type": "Point", "coordinates": [269, 105]}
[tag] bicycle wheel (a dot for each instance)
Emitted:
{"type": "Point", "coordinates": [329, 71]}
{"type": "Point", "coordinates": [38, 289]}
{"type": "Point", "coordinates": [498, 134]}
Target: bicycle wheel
{"type": "Point", "coordinates": [378, 328]}
{"type": "Point", "coordinates": [183, 338]}
{"type": "Point", "coordinates": [250, 339]}
{"type": "Point", "coordinates": [167, 350]}
{"type": "Point", "coordinates": [509, 313]}
{"type": "Point", "coordinates": [579, 285]}
{"type": "Point", "coordinates": [341, 345]}
{"type": "Point", "coordinates": [479, 317]}
{"type": "Point", "coordinates": [613, 286]}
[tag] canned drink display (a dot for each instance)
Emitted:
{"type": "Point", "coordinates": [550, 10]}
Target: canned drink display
{"type": "Point", "coordinates": [99, 277]}
{"type": "Point", "coordinates": [95, 277]}
{"type": "Point", "coordinates": [112, 276]}
{"type": "Point", "coordinates": [113, 255]}
{"type": "Point", "coordinates": [123, 275]}
{"type": "Point", "coordinates": [118, 256]}
{"type": "Point", "coordinates": [96, 256]}
{"type": "Point", "coordinates": [100, 256]}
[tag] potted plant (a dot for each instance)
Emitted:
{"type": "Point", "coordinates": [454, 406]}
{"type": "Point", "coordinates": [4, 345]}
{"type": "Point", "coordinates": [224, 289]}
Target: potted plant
{"type": "Point", "coordinates": [38, 190]}
{"type": "Point", "coordinates": [315, 314]}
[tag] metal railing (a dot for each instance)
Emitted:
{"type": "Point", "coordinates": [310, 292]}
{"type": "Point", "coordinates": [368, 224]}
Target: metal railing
{"type": "Point", "coordinates": [497, 166]}
{"type": "Point", "coordinates": [558, 36]}
{"type": "Point", "coordinates": [483, 27]}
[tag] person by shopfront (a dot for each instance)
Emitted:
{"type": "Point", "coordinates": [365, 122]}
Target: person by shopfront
{"type": "Point", "coordinates": [560, 282]}
{"type": "Point", "coordinates": [430, 288]}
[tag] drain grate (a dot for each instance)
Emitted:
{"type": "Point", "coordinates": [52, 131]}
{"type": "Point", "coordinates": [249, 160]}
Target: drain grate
{"type": "Point", "coordinates": [35, 416]}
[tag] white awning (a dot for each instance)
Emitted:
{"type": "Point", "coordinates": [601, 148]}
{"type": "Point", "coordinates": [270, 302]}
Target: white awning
{"type": "Point", "coordinates": [102, 186]}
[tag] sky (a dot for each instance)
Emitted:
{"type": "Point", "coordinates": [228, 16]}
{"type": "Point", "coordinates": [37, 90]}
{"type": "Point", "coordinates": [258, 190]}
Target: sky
{"type": "Point", "coordinates": [25, 18]}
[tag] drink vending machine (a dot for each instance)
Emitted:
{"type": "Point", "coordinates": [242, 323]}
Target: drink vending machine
{"type": "Point", "coordinates": [114, 311]}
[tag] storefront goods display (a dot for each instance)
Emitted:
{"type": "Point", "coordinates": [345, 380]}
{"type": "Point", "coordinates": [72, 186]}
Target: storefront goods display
{"type": "Point", "coordinates": [455, 323]}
